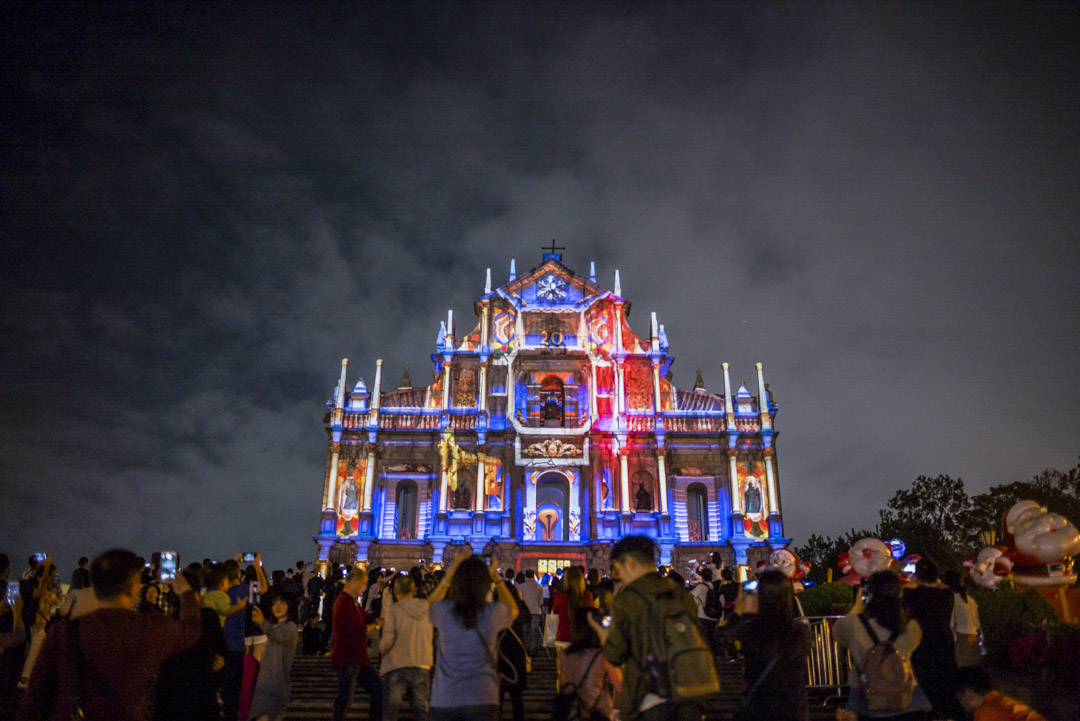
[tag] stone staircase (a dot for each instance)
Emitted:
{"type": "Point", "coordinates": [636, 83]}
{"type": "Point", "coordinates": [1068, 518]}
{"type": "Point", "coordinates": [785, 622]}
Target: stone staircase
{"type": "Point", "coordinates": [314, 684]}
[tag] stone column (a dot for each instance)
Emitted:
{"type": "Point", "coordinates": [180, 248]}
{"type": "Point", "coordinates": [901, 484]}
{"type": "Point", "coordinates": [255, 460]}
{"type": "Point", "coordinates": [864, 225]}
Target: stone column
{"type": "Point", "coordinates": [330, 487]}
{"type": "Point", "coordinates": [480, 469]}
{"type": "Point", "coordinates": [369, 478]}
{"type": "Point", "coordinates": [733, 475]}
{"type": "Point", "coordinates": [763, 399]}
{"type": "Point", "coordinates": [774, 502]}
{"type": "Point", "coordinates": [662, 476]}
{"type": "Point", "coordinates": [624, 481]}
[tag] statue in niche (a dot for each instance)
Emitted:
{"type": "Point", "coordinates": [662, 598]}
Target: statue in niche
{"type": "Point", "coordinates": [642, 499]}
{"type": "Point", "coordinates": [752, 498]}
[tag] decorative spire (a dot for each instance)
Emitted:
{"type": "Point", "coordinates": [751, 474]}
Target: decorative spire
{"type": "Point", "coordinates": [699, 383]}
{"type": "Point", "coordinates": [358, 397]}
{"type": "Point", "coordinates": [663, 339]}
{"type": "Point", "coordinates": [440, 343]}
{"type": "Point", "coordinates": [406, 382]}
{"type": "Point", "coordinates": [513, 269]}
{"type": "Point", "coordinates": [360, 387]}
{"type": "Point", "coordinates": [592, 271]}
{"type": "Point", "coordinates": [487, 282]}
{"type": "Point", "coordinates": [618, 284]}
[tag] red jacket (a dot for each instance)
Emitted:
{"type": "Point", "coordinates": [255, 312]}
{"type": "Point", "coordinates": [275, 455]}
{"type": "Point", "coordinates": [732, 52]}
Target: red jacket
{"type": "Point", "coordinates": [119, 655]}
{"type": "Point", "coordinates": [350, 633]}
{"type": "Point", "coordinates": [561, 606]}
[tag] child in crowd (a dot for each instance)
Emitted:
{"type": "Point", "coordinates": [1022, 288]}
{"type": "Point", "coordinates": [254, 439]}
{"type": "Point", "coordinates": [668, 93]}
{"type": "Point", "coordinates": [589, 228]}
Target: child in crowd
{"type": "Point", "coordinates": [217, 598]}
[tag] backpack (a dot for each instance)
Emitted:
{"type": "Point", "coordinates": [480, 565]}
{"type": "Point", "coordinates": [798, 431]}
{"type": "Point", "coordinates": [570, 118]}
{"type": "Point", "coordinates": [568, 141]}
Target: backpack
{"type": "Point", "coordinates": [887, 681]}
{"type": "Point", "coordinates": [679, 663]}
{"type": "Point", "coordinates": [714, 602]}
{"type": "Point", "coordinates": [568, 704]}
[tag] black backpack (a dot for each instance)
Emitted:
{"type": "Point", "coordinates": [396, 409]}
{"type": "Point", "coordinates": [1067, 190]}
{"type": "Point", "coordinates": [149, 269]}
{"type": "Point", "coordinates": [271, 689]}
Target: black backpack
{"type": "Point", "coordinates": [714, 602]}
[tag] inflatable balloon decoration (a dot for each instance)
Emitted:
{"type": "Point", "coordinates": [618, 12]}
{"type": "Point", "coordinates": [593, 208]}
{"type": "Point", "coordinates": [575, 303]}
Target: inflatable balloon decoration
{"type": "Point", "coordinates": [1041, 545]}
{"type": "Point", "coordinates": [788, 563]}
{"type": "Point", "coordinates": [990, 567]}
{"type": "Point", "coordinates": [865, 558]}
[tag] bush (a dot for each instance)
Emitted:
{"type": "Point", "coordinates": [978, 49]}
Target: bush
{"type": "Point", "coordinates": [827, 599]}
{"type": "Point", "coordinates": [1008, 615]}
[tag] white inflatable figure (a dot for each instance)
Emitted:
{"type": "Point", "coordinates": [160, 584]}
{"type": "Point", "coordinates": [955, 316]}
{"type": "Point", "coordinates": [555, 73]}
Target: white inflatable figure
{"type": "Point", "coordinates": [1042, 545]}
{"type": "Point", "coordinates": [989, 567]}
{"type": "Point", "coordinates": [788, 563]}
{"type": "Point", "coordinates": [865, 558]}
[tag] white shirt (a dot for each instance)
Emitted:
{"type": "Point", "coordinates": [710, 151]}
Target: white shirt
{"type": "Point", "coordinates": [965, 615]}
{"type": "Point", "coordinates": [700, 592]}
{"type": "Point", "coordinates": [532, 593]}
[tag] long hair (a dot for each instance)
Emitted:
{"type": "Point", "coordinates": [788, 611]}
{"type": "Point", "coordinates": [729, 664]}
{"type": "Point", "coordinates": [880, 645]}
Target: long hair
{"type": "Point", "coordinates": [582, 635]}
{"type": "Point", "coordinates": [574, 588]}
{"type": "Point", "coordinates": [468, 590]}
{"type": "Point", "coordinates": [776, 612]}
{"type": "Point", "coordinates": [956, 584]}
{"type": "Point", "coordinates": [885, 605]}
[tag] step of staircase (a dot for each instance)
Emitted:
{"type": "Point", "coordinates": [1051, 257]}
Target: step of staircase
{"type": "Point", "coordinates": [314, 684]}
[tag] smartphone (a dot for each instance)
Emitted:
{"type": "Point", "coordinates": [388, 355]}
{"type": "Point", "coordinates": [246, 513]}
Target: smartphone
{"type": "Point", "coordinates": [40, 556]}
{"type": "Point", "coordinates": [169, 563]}
{"type": "Point", "coordinates": [253, 591]}
{"type": "Point", "coordinates": [249, 558]}
{"type": "Point", "coordinates": [606, 622]}
{"type": "Point", "coordinates": [750, 586]}
{"type": "Point", "coordinates": [487, 558]}
{"type": "Point", "coordinates": [12, 592]}
{"type": "Point", "coordinates": [423, 562]}
{"type": "Point", "coordinates": [909, 569]}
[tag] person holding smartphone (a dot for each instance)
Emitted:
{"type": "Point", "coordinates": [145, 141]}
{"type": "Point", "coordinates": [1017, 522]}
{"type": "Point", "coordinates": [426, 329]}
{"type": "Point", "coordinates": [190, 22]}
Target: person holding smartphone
{"type": "Point", "coordinates": [123, 647]}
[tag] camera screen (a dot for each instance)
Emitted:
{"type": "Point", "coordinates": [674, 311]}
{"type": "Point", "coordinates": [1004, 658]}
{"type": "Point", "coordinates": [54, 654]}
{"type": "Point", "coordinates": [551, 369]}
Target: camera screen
{"type": "Point", "coordinates": [168, 565]}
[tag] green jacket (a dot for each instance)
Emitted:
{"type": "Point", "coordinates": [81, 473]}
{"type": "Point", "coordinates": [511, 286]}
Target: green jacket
{"type": "Point", "coordinates": [627, 644]}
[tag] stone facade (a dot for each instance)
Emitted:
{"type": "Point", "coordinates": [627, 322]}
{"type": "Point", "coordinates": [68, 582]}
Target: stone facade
{"type": "Point", "coordinates": [550, 430]}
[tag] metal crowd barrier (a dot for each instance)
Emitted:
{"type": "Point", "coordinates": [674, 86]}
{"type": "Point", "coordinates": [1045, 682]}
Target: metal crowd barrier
{"type": "Point", "coordinates": [827, 667]}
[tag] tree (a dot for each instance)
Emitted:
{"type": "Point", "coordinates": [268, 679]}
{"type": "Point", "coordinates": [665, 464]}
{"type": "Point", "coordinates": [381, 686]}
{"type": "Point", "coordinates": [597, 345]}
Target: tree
{"type": "Point", "coordinates": [933, 518]}
{"type": "Point", "coordinates": [1059, 491]}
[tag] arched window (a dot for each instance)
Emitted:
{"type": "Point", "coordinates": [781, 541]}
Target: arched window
{"type": "Point", "coordinates": [551, 402]}
{"type": "Point", "coordinates": [405, 508]}
{"type": "Point", "coordinates": [643, 492]}
{"type": "Point", "coordinates": [461, 498]}
{"type": "Point", "coordinates": [697, 513]}
{"type": "Point", "coordinates": [552, 517]}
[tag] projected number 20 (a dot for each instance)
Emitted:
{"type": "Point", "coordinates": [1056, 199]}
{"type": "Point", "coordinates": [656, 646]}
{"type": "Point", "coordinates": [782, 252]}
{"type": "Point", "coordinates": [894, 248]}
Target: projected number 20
{"type": "Point", "coordinates": [551, 339]}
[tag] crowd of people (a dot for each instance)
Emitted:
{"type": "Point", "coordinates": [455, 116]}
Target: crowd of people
{"type": "Point", "coordinates": [217, 640]}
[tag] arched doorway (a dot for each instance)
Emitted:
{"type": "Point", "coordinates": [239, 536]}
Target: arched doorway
{"type": "Point", "coordinates": [552, 512]}
{"type": "Point", "coordinates": [697, 513]}
{"type": "Point", "coordinates": [405, 507]}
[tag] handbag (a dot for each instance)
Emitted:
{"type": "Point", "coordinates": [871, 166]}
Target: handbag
{"type": "Point", "coordinates": [551, 628]}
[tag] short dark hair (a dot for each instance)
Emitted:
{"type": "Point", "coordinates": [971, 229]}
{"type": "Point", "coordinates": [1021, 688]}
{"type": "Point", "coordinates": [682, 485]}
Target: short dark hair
{"type": "Point", "coordinates": [111, 572]}
{"type": "Point", "coordinates": [529, 573]}
{"type": "Point", "coordinates": [642, 548]}
{"type": "Point", "coordinates": [212, 576]}
{"type": "Point", "coordinates": [972, 677]}
{"type": "Point", "coordinates": [83, 560]}
{"type": "Point", "coordinates": [926, 570]}
{"type": "Point", "coordinates": [232, 568]}
{"type": "Point", "coordinates": [705, 573]}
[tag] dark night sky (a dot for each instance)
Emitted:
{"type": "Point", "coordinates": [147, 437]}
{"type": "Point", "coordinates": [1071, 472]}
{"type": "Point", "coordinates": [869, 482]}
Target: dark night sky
{"type": "Point", "coordinates": [204, 208]}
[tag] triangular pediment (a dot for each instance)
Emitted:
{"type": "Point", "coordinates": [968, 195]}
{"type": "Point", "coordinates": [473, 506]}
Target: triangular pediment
{"type": "Point", "coordinates": [552, 286]}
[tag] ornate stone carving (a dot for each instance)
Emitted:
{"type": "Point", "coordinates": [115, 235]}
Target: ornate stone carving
{"type": "Point", "coordinates": [552, 448]}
